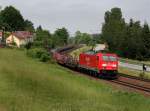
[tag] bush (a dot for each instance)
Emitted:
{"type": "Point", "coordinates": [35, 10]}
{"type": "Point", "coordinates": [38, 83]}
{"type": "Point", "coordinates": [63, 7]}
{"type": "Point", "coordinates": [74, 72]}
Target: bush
{"type": "Point", "coordinates": [142, 75]}
{"type": "Point", "coordinates": [44, 57]}
{"type": "Point", "coordinates": [32, 52]}
{"type": "Point", "coordinates": [39, 53]}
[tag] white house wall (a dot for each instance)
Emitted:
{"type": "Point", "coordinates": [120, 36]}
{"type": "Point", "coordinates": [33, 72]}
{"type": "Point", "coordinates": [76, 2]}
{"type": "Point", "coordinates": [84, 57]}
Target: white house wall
{"type": "Point", "coordinates": [18, 42]}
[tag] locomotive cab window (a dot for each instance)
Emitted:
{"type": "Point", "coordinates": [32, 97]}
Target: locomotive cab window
{"type": "Point", "coordinates": [109, 58]}
{"type": "Point", "coordinates": [105, 58]}
{"type": "Point", "coordinates": [112, 58]}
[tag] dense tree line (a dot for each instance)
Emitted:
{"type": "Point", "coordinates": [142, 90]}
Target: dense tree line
{"type": "Point", "coordinates": [47, 40]}
{"type": "Point", "coordinates": [82, 38]}
{"type": "Point", "coordinates": [130, 40]}
{"type": "Point", "coordinates": [12, 20]}
{"type": "Point", "coordinates": [60, 37]}
{"type": "Point", "coordinates": [85, 38]}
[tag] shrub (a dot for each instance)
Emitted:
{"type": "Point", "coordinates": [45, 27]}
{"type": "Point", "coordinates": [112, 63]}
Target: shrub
{"type": "Point", "coordinates": [142, 75]}
{"type": "Point", "coordinates": [44, 57]}
{"type": "Point", "coordinates": [32, 53]}
{"type": "Point", "coordinates": [39, 53]}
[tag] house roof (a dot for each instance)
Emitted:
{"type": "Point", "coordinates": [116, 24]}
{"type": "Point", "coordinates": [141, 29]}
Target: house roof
{"type": "Point", "coordinates": [22, 34]}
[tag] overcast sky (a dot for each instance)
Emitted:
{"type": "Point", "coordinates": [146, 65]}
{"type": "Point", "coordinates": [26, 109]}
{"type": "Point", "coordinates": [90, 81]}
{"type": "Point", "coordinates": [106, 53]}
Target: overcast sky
{"type": "Point", "coordinates": [83, 15]}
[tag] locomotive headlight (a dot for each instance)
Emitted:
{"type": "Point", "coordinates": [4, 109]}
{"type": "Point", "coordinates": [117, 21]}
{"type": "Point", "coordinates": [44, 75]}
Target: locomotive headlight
{"type": "Point", "coordinates": [104, 65]}
{"type": "Point", "coordinates": [114, 65]}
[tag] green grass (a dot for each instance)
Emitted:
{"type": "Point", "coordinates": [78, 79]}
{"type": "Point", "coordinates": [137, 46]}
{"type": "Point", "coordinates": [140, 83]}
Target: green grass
{"type": "Point", "coordinates": [28, 85]}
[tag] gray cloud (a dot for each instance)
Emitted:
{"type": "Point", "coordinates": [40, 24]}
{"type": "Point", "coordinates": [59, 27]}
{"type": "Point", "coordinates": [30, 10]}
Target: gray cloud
{"type": "Point", "coordinates": [84, 15]}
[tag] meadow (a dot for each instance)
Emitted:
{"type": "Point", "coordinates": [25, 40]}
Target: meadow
{"type": "Point", "coordinates": [29, 85]}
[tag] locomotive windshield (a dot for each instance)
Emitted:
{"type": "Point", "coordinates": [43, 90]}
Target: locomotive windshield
{"type": "Point", "coordinates": [109, 58]}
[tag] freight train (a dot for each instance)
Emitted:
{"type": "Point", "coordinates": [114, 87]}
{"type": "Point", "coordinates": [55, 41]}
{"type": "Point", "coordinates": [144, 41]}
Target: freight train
{"type": "Point", "coordinates": [95, 63]}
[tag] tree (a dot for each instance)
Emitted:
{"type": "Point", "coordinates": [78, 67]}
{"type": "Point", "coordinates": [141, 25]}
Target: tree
{"type": "Point", "coordinates": [71, 40]}
{"type": "Point", "coordinates": [97, 38]}
{"type": "Point", "coordinates": [12, 19]}
{"type": "Point", "coordinates": [133, 43]}
{"type": "Point", "coordinates": [1, 22]}
{"type": "Point", "coordinates": [60, 37]}
{"type": "Point", "coordinates": [28, 45]}
{"type": "Point", "coordinates": [146, 41]}
{"type": "Point", "coordinates": [113, 29]}
{"type": "Point", "coordinates": [130, 40]}
{"type": "Point", "coordinates": [86, 38]}
{"type": "Point", "coordinates": [39, 28]}
{"type": "Point", "coordinates": [82, 38]}
{"type": "Point", "coordinates": [78, 36]}
{"type": "Point", "coordinates": [43, 38]}
{"type": "Point", "coordinates": [29, 26]}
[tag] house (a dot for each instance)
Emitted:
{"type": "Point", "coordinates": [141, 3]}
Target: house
{"type": "Point", "coordinates": [19, 38]}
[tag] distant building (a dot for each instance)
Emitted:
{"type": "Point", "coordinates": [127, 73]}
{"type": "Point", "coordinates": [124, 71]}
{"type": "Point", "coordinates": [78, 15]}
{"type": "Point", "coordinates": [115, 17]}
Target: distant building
{"type": "Point", "coordinates": [19, 38]}
{"type": "Point", "coordinates": [101, 47]}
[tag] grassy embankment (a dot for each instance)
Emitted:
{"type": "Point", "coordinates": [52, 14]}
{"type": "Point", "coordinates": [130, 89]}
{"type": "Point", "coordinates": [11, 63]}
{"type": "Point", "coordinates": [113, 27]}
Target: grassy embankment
{"type": "Point", "coordinates": [28, 85]}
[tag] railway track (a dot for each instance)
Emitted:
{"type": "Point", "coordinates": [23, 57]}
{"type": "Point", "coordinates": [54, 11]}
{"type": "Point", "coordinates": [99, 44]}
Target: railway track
{"type": "Point", "coordinates": [141, 86]}
{"type": "Point", "coordinates": [127, 81]}
{"type": "Point", "coordinates": [127, 84]}
{"type": "Point", "coordinates": [133, 82]}
{"type": "Point", "coordinates": [136, 84]}
{"type": "Point", "coordinates": [134, 77]}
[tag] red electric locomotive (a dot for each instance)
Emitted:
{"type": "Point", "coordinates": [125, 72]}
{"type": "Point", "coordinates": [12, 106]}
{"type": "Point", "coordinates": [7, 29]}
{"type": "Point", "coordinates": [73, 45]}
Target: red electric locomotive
{"type": "Point", "coordinates": [104, 64]}
{"type": "Point", "coordinates": [97, 63]}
